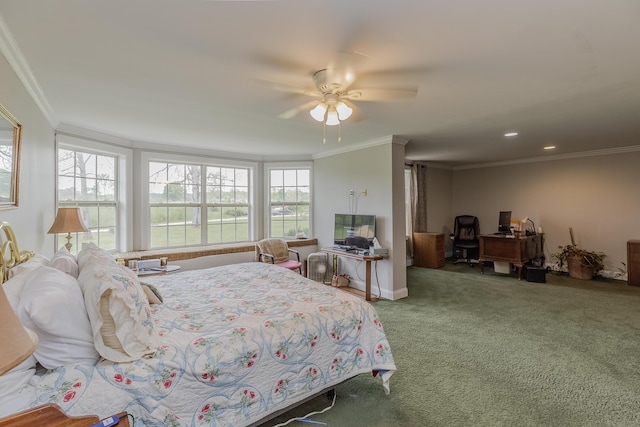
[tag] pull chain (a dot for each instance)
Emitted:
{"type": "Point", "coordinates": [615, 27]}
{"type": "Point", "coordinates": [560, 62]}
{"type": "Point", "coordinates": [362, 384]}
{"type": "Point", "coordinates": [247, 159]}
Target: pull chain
{"type": "Point", "coordinates": [324, 133]}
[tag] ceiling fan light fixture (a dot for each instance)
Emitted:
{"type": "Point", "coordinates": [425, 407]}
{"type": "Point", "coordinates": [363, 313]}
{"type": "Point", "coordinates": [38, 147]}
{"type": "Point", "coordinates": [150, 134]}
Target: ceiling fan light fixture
{"type": "Point", "coordinates": [332, 117]}
{"type": "Point", "coordinates": [319, 112]}
{"type": "Point", "coordinates": [344, 111]}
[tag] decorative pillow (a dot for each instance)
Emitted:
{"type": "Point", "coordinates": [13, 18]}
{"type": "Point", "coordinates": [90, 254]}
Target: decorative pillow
{"type": "Point", "coordinates": [123, 329]}
{"type": "Point", "coordinates": [52, 306]}
{"type": "Point", "coordinates": [152, 293]}
{"type": "Point", "coordinates": [64, 261]}
{"type": "Point", "coordinates": [31, 264]}
{"type": "Point", "coordinates": [90, 250]}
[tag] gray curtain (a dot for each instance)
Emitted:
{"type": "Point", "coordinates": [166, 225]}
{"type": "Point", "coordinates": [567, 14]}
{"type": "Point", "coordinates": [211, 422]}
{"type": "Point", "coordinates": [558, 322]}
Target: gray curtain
{"type": "Point", "coordinates": [418, 196]}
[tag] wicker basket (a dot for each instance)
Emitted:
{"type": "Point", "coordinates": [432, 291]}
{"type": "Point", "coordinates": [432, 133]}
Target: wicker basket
{"type": "Point", "coordinates": [579, 271]}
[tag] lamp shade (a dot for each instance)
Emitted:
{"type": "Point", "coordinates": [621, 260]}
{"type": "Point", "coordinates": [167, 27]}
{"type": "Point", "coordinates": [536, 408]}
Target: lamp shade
{"type": "Point", "coordinates": [319, 111]}
{"type": "Point", "coordinates": [67, 221]}
{"type": "Point", "coordinates": [344, 111]}
{"type": "Point", "coordinates": [332, 117]}
{"type": "Point", "coordinates": [18, 342]}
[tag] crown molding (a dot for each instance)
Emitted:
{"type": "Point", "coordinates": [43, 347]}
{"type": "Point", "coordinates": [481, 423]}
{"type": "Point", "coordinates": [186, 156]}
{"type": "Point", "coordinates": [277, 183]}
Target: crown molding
{"type": "Point", "coordinates": [392, 139]}
{"type": "Point", "coordinates": [577, 155]}
{"type": "Point", "coordinates": [19, 65]}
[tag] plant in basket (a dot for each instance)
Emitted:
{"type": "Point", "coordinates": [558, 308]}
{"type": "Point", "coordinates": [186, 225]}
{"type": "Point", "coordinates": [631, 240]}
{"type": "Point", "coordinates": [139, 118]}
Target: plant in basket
{"type": "Point", "coordinates": [581, 263]}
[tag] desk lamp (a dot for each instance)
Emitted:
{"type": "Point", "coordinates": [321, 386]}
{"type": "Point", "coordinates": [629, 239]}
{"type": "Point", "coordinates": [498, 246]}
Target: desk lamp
{"type": "Point", "coordinates": [67, 221]}
{"type": "Point", "coordinates": [533, 226]}
{"type": "Point", "coordinates": [18, 342]}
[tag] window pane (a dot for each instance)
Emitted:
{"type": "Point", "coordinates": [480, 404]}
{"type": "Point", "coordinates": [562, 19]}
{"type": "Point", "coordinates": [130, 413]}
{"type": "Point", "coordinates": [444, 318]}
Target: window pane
{"type": "Point", "coordinates": [66, 188]}
{"type": "Point", "coordinates": [66, 162]}
{"type": "Point", "coordinates": [106, 168]}
{"type": "Point", "coordinates": [304, 177]}
{"type": "Point", "coordinates": [86, 165]}
{"type": "Point", "coordinates": [106, 190]}
{"type": "Point", "coordinates": [175, 193]}
{"type": "Point", "coordinates": [157, 173]}
{"type": "Point", "coordinates": [277, 178]}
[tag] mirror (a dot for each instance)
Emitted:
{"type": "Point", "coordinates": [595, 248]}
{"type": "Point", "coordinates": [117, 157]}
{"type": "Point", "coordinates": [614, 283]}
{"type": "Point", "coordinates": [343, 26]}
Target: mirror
{"type": "Point", "coordinates": [10, 140]}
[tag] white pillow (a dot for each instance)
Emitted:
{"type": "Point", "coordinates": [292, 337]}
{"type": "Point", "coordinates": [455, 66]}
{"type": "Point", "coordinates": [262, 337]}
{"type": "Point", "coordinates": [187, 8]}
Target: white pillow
{"type": "Point", "coordinates": [64, 261]}
{"type": "Point", "coordinates": [52, 306]}
{"type": "Point", "coordinates": [31, 264]}
{"type": "Point", "coordinates": [123, 329]}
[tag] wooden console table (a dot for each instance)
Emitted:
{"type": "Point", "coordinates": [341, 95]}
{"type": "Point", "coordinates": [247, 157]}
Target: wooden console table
{"type": "Point", "coordinates": [516, 250]}
{"type": "Point", "coordinates": [366, 258]}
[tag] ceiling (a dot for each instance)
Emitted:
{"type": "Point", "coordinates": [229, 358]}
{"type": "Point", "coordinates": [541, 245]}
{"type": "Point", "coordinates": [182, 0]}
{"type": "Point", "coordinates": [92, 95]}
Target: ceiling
{"type": "Point", "coordinates": [179, 72]}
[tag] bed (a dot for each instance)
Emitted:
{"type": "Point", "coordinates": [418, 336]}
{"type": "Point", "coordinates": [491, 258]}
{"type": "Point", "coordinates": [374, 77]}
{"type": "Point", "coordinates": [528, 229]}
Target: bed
{"type": "Point", "coordinates": [224, 346]}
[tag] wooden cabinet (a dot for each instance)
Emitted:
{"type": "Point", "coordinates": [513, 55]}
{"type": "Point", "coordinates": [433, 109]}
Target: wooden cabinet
{"type": "Point", "coordinates": [428, 250]}
{"type": "Point", "coordinates": [633, 262]}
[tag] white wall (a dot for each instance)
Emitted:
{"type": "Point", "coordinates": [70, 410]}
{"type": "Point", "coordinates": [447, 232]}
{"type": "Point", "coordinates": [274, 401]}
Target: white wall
{"type": "Point", "coordinates": [36, 211]}
{"type": "Point", "coordinates": [596, 195]}
{"type": "Point", "coordinates": [371, 169]}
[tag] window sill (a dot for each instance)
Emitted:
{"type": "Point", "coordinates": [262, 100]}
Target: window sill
{"type": "Point", "coordinates": [178, 254]}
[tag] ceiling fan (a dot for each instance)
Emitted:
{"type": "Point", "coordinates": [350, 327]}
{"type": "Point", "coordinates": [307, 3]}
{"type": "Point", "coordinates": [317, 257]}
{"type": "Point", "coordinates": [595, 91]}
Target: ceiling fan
{"type": "Point", "coordinates": [334, 94]}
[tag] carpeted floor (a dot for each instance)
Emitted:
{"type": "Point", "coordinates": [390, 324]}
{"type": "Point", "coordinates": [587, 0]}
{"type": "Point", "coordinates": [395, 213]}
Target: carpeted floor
{"type": "Point", "coordinates": [490, 350]}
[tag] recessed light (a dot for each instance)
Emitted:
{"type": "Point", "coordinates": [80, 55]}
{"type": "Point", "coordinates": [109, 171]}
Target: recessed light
{"type": "Point", "coordinates": [550, 147]}
{"type": "Point", "coordinates": [511, 134]}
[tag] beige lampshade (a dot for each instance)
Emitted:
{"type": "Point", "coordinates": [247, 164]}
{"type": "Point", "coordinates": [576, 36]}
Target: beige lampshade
{"type": "Point", "coordinates": [67, 221]}
{"type": "Point", "coordinates": [16, 342]}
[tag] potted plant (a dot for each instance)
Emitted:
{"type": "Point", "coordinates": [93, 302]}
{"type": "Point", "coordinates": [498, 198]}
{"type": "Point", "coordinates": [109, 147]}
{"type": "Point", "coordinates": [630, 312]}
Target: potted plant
{"type": "Point", "coordinates": [581, 263]}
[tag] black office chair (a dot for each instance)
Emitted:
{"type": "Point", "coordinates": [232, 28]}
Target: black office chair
{"type": "Point", "coordinates": [466, 239]}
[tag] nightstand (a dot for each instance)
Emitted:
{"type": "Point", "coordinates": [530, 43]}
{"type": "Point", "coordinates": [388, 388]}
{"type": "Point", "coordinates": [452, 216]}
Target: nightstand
{"type": "Point", "coordinates": [52, 416]}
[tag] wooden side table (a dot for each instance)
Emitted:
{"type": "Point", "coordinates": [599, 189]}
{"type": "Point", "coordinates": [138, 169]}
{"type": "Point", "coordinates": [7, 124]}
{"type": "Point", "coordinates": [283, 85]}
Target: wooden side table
{"type": "Point", "coordinates": [52, 416]}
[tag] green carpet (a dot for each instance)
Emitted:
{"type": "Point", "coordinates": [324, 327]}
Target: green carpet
{"type": "Point", "coordinates": [490, 350]}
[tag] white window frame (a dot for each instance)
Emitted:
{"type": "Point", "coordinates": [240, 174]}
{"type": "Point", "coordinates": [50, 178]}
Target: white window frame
{"type": "Point", "coordinates": [268, 167]}
{"type": "Point", "coordinates": [144, 203]}
{"type": "Point", "coordinates": [123, 184]}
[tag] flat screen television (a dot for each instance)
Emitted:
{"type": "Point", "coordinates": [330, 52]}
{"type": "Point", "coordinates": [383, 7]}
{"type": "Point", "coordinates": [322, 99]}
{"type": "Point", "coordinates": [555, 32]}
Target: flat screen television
{"type": "Point", "coordinates": [359, 226]}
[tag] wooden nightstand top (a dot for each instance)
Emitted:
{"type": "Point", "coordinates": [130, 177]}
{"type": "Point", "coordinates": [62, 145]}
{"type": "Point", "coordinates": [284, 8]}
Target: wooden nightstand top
{"type": "Point", "coordinates": [52, 416]}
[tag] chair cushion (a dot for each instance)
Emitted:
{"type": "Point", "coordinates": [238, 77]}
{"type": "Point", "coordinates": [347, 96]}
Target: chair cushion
{"type": "Point", "coordinates": [290, 264]}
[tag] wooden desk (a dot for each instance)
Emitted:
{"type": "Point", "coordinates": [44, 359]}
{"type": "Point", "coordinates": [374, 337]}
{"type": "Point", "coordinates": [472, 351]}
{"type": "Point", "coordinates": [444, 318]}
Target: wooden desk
{"type": "Point", "coordinates": [516, 250]}
{"type": "Point", "coordinates": [366, 258]}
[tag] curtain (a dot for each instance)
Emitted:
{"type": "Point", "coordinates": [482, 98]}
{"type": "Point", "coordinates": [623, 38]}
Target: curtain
{"type": "Point", "coordinates": [418, 199]}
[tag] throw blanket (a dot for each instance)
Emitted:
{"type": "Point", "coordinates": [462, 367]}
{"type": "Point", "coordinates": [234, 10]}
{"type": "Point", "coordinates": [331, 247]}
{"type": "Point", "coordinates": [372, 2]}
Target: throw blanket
{"type": "Point", "coordinates": [276, 247]}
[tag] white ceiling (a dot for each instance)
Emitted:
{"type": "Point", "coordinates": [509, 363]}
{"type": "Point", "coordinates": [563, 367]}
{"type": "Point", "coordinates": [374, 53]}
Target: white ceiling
{"type": "Point", "coordinates": [177, 72]}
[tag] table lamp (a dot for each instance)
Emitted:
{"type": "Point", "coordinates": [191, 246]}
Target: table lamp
{"type": "Point", "coordinates": [533, 226]}
{"type": "Point", "coordinates": [18, 342]}
{"type": "Point", "coordinates": [67, 221]}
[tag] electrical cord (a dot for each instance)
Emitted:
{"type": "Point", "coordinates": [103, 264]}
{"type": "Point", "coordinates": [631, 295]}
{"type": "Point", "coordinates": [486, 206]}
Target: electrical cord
{"type": "Point", "coordinates": [305, 418]}
{"type": "Point", "coordinates": [377, 278]}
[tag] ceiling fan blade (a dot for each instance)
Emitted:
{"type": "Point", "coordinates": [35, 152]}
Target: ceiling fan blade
{"type": "Point", "coordinates": [342, 68]}
{"type": "Point", "coordinates": [291, 113]}
{"type": "Point", "coordinates": [381, 94]}
{"type": "Point", "coordinates": [283, 87]}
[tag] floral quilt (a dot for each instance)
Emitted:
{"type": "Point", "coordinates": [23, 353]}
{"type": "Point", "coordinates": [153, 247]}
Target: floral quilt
{"type": "Point", "coordinates": [238, 342]}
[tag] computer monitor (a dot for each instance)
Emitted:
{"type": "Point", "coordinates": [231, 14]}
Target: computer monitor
{"type": "Point", "coordinates": [504, 223]}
